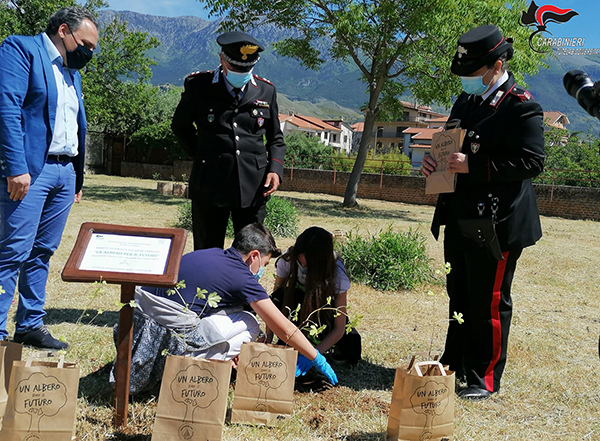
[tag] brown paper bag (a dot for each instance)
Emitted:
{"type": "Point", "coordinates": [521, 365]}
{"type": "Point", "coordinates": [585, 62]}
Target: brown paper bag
{"type": "Point", "coordinates": [422, 405]}
{"type": "Point", "coordinates": [193, 399]}
{"type": "Point", "coordinates": [42, 401]}
{"type": "Point", "coordinates": [9, 353]}
{"type": "Point", "coordinates": [443, 144]}
{"type": "Point", "coordinates": [264, 388]}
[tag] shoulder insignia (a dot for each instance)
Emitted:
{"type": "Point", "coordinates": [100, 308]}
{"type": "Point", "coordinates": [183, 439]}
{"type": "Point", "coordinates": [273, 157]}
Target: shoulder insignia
{"type": "Point", "coordinates": [497, 98]}
{"type": "Point", "coordinates": [522, 94]}
{"type": "Point", "coordinates": [263, 79]}
{"type": "Point", "coordinates": [198, 72]}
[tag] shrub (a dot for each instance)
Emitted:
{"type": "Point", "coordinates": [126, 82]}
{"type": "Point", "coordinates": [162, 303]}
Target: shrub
{"type": "Point", "coordinates": [307, 151]}
{"type": "Point", "coordinates": [184, 216]}
{"type": "Point", "coordinates": [282, 218]}
{"type": "Point", "coordinates": [390, 261]}
{"type": "Point", "coordinates": [158, 136]}
{"type": "Point", "coordinates": [394, 163]}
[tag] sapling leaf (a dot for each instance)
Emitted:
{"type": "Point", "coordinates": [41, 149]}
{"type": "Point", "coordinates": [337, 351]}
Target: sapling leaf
{"type": "Point", "coordinates": [213, 300]}
{"type": "Point", "coordinates": [458, 316]}
{"type": "Point", "coordinates": [314, 330]}
{"type": "Point", "coordinates": [200, 293]}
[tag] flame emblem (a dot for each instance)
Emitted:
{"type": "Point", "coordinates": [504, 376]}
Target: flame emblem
{"type": "Point", "coordinates": [248, 49]}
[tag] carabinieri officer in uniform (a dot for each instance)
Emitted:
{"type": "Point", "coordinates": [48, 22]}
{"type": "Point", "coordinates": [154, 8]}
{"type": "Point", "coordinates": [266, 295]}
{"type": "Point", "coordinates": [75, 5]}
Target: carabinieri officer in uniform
{"type": "Point", "coordinates": [227, 121]}
{"type": "Point", "coordinates": [503, 149]}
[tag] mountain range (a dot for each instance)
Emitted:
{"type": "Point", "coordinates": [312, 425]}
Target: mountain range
{"type": "Point", "coordinates": [189, 44]}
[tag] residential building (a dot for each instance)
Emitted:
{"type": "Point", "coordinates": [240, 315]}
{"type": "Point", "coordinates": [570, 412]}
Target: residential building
{"type": "Point", "coordinates": [556, 119]}
{"type": "Point", "coordinates": [417, 143]}
{"type": "Point", "coordinates": [358, 129]}
{"type": "Point", "coordinates": [334, 133]}
{"type": "Point", "coordinates": [343, 142]}
{"type": "Point", "coordinates": [390, 135]}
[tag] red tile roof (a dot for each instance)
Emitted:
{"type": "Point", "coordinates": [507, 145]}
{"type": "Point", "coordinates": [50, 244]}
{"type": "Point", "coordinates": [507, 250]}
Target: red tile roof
{"type": "Point", "coordinates": [358, 127]}
{"type": "Point", "coordinates": [552, 117]}
{"type": "Point", "coordinates": [420, 133]}
{"type": "Point", "coordinates": [308, 122]}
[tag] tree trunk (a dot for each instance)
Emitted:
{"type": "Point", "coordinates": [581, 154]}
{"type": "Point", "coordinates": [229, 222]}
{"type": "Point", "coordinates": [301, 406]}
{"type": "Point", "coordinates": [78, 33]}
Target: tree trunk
{"type": "Point", "coordinates": [352, 188]}
{"type": "Point", "coordinates": [370, 117]}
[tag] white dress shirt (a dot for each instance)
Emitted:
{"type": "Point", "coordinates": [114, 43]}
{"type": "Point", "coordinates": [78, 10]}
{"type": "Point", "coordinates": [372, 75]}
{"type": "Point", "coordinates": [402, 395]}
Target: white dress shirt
{"type": "Point", "coordinates": [496, 85]}
{"type": "Point", "coordinates": [64, 136]}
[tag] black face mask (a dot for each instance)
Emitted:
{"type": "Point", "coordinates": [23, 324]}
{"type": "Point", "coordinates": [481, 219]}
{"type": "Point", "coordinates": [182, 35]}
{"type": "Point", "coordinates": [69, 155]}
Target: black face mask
{"type": "Point", "coordinates": [79, 57]}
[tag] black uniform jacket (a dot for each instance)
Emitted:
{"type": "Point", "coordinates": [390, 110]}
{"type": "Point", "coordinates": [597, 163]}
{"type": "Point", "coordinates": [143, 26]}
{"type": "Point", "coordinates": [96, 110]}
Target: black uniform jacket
{"type": "Point", "coordinates": [226, 139]}
{"type": "Point", "coordinates": [504, 143]}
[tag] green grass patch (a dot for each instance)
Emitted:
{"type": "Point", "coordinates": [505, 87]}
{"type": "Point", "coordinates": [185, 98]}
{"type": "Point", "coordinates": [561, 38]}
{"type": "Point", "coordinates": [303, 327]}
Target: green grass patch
{"type": "Point", "coordinates": [389, 261]}
{"type": "Point", "coordinates": [282, 218]}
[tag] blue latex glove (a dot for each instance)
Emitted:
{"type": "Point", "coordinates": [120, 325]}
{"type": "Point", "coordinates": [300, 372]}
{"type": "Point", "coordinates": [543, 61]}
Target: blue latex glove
{"type": "Point", "coordinates": [321, 364]}
{"type": "Point", "coordinates": [303, 365]}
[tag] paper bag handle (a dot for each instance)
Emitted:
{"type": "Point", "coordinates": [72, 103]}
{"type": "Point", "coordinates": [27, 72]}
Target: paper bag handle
{"type": "Point", "coordinates": [433, 354]}
{"type": "Point", "coordinates": [429, 363]}
{"type": "Point", "coordinates": [34, 355]}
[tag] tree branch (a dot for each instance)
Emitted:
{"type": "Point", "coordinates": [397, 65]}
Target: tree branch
{"type": "Point", "coordinates": [349, 46]}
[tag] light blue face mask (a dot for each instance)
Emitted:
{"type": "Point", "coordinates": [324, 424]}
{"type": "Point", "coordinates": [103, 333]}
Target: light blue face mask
{"type": "Point", "coordinates": [261, 270]}
{"type": "Point", "coordinates": [474, 85]}
{"type": "Point", "coordinates": [238, 79]}
{"type": "Point", "coordinates": [302, 269]}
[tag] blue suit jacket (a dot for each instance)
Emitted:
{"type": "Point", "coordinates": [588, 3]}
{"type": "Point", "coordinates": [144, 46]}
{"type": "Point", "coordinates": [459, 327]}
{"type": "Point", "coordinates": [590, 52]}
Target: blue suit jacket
{"type": "Point", "coordinates": [28, 108]}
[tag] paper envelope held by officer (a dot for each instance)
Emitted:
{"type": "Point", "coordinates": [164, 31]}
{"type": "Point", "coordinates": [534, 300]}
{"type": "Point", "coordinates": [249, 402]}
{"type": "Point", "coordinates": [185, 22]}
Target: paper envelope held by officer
{"type": "Point", "coordinates": [443, 144]}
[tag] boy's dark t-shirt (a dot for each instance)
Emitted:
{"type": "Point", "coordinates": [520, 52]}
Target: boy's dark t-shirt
{"type": "Point", "coordinates": [214, 270]}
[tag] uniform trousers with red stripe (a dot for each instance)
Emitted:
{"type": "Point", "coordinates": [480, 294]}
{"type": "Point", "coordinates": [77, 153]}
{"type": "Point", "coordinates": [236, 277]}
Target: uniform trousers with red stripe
{"type": "Point", "coordinates": [478, 287]}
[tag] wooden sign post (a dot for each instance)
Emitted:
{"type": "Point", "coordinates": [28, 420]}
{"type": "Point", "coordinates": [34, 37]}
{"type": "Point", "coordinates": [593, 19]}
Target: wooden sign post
{"type": "Point", "coordinates": [128, 256]}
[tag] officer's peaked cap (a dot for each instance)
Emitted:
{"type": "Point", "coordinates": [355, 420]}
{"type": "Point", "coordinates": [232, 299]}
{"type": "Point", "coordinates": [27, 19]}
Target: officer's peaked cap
{"type": "Point", "coordinates": [240, 50]}
{"type": "Point", "coordinates": [479, 47]}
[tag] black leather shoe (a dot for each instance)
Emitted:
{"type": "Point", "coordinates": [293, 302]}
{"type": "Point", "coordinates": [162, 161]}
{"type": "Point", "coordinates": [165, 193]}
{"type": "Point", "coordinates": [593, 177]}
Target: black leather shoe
{"type": "Point", "coordinates": [474, 393]}
{"type": "Point", "coordinates": [39, 338]}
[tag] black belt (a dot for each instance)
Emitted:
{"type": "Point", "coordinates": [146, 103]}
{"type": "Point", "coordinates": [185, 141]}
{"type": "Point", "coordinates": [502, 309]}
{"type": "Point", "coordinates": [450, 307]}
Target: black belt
{"type": "Point", "coordinates": [59, 158]}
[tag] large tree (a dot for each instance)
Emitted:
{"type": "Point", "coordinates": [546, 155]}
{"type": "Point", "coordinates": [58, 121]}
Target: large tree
{"type": "Point", "coordinates": [398, 45]}
{"type": "Point", "coordinates": [30, 17]}
{"type": "Point", "coordinates": [116, 81]}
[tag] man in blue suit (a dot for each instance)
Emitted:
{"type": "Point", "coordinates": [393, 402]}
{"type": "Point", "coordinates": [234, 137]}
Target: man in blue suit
{"type": "Point", "coordinates": [42, 133]}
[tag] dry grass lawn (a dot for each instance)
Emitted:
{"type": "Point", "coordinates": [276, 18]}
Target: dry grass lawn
{"type": "Point", "coordinates": [551, 387]}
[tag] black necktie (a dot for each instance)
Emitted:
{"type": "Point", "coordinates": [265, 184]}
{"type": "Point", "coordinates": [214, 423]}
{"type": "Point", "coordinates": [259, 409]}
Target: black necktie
{"type": "Point", "coordinates": [236, 95]}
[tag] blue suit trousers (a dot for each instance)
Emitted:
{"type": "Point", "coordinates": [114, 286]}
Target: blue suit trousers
{"type": "Point", "coordinates": [30, 232]}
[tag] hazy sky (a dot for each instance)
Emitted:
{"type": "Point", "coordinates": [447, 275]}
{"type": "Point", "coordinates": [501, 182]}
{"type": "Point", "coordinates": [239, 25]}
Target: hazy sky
{"type": "Point", "coordinates": [585, 25]}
